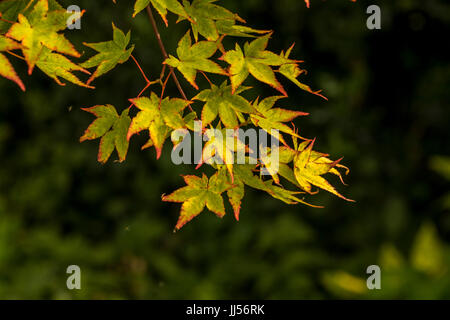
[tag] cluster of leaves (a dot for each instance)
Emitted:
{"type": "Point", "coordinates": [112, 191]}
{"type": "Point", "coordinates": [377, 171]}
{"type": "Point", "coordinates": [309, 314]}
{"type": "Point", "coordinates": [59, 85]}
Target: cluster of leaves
{"type": "Point", "coordinates": [33, 27]}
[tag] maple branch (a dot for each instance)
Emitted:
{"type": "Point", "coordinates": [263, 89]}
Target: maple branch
{"type": "Point", "coordinates": [140, 69]}
{"type": "Point", "coordinates": [163, 50]}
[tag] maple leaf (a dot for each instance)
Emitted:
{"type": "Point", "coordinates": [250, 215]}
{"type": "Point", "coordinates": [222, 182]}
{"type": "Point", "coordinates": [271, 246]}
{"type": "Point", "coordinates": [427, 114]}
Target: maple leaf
{"type": "Point", "coordinates": [161, 6]}
{"type": "Point", "coordinates": [272, 118]}
{"type": "Point", "coordinates": [204, 15]}
{"type": "Point", "coordinates": [56, 65]}
{"type": "Point", "coordinates": [112, 129]}
{"type": "Point", "coordinates": [40, 28]}
{"type": "Point", "coordinates": [157, 117]}
{"type": "Point", "coordinates": [221, 101]}
{"type": "Point", "coordinates": [198, 193]}
{"type": "Point", "coordinates": [221, 148]}
{"type": "Point", "coordinates": [6, 68]}
{"type": "Point", "coordinates": [244, 173]}
{"type": "Point", "coordinates": [230, 28]}
{"type": "Point", "coordinates": [254, 60]}
{"type": "Point", "coordinates": [309, 167]}
{"type": "Point", "coordinates": [291, 71]}
{"type": "Point", "coordinates": [194, 57]}
{"type": "Point", "coordinates": [235, 196]}
{"type": "Point", "coordinates": [110, 53]}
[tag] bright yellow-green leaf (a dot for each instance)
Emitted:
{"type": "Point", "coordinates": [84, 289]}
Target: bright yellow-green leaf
{"type": "Point", "coordinates": [194, 58]}
{"type": "Point", "coordinates": [204, 15]}
{"type": "Point", "coordinates": [40, 28]}
{"type": "Point", "coordinates": [158, 117]}
{"type": "Point", "coordinates": [254, 60]}
{"type": "Point", "coordinates": [56, 65]}
{"type": "Point", "coordinates": [308, 171]}
{"type": "Point", "coordinates": [221, 101]}
{"type": "Point", "coordinates": [269, 118]}
{"type": "Point", "coordinates": [292, 71]}
{"type": "Point", "coordinates": [112, 129]}
{"type": "Point", "coordinates": [110, 53]}
{"type": "Point", "coordinates": [6, 68]}
{"type": "Point", "coordinates": [161, 6]}
{"type": "Point", "coordinates": [198, 193]}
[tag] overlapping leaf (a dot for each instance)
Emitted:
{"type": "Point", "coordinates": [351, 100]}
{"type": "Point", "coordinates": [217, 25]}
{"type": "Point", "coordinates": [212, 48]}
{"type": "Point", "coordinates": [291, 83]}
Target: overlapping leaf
{"type": "Point", "coordinates": [111, 128]}
{"type": "Point", "coordinates": [193, 58]}
{"type": "Point", "coordinates": [254, 60]}
{"type": "Point", "coordinates": [245, 174]}
{"type": "Point", "coordinates": [40, 28]}
{"type": "Point", "coordinates": [6, 68]}
{"type": "Point", "coordinates": [161, 6]}
{"type": "Point", "coordinates": [198, 193]}
{"type": "Point", "coordinates": [309, 167]}
{"type": "Point", "coordinates": [158, 117]}
{"type": "Point", "coordinates": [56, 65]}
{"type": "Point", "coordinates": [269, 118]}
{"type": "Point", "coordinates": [110, 53]}
{"type": "Point", "coordinates": [221, 147]}
{"type": "Point", "coordinates": [221, 101]}
{"type": "Point", "coordinates": [205, 14]}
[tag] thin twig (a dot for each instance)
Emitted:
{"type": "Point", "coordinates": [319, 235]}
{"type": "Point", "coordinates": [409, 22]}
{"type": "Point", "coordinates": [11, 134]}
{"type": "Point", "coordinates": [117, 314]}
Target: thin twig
{"type": "Point", "coordinates": [164, 52]}
{"type": "Point", "coordinates": [140, 69]}
{"type": "Point", "coordinates": [164, 88]}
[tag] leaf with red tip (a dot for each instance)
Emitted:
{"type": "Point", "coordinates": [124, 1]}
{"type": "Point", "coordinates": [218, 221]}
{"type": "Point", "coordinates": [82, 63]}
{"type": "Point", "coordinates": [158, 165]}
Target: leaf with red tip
{"type": "Point", "coordinates": [40, 28]}
{"type": "Point", "coordinates": [110, 53]}
{"type": "Point", "coordinates": [112, 129]}
{"type": "Point", "coordinates": [198, 193]}
{"type": "Point", "coordinates": [254, 60]}
{"type": "Point", "coordinates": [6, 68]}
{"type": "Point", "coordinates": [309, 168]}
{"type": "Point", "coordinates": [193, 58]}
{"type": "Point", "coordinates": [158, 117]}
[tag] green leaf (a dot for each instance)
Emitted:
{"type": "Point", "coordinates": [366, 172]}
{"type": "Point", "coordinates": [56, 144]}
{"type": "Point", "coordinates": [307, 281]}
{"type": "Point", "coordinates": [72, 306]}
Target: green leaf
{"type": "Point", "coordinates": [235, 196]}
{"type": "Point", "coordinates": [309, 167]}
{"type": "Point", "coordinates": [40, 28]}
{"type": "Point", "coordinates": [254, 60]}
{"type": "Point", "coordinates": [272, 118]}
{"type": "Point", "coordinates": [55, 65]}
{"type": "Point", "coordinates": [112, 129]}
{"type": "Point", "coordinates": [221, 148]}
{"type": "Point", "coordinates": [161, 6]}
{"type": "Point", "coordinates": [6, 68]}
{"type": "Point", "coordinates": [194, 58]}
{"type": "Point", "coordinates": [157, 117]}
{"type": "Point", "coordinates": [204, 15]}
{"type": "Point", "coordinates": [221, 101]}
{"type": "Point", "coordinates": [292, 71]}
{"type": "Point", "coordinates": [198, 193]}
{"type": "Point", "coordinates": [110, 53]}
{"type": "Point", "coordinates": [230, 28]}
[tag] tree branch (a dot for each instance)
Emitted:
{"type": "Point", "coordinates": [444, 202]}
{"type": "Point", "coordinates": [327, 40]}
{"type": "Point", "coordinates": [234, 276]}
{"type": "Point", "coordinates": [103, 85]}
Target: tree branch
{"type": "Point", "coordinates": [163, 50]}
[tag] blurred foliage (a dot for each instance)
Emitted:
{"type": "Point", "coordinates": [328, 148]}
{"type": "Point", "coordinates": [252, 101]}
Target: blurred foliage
{"type": "Point", "coordinates": [387, 113]}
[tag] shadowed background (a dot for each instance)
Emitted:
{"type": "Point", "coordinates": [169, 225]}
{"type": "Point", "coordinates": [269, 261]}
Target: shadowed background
{"type": "Point", "coordinates": [387, 114]}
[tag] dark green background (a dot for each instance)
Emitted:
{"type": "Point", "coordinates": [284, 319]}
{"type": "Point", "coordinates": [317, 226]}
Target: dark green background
{"type": "Point", "coordinates": [388, 114]}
